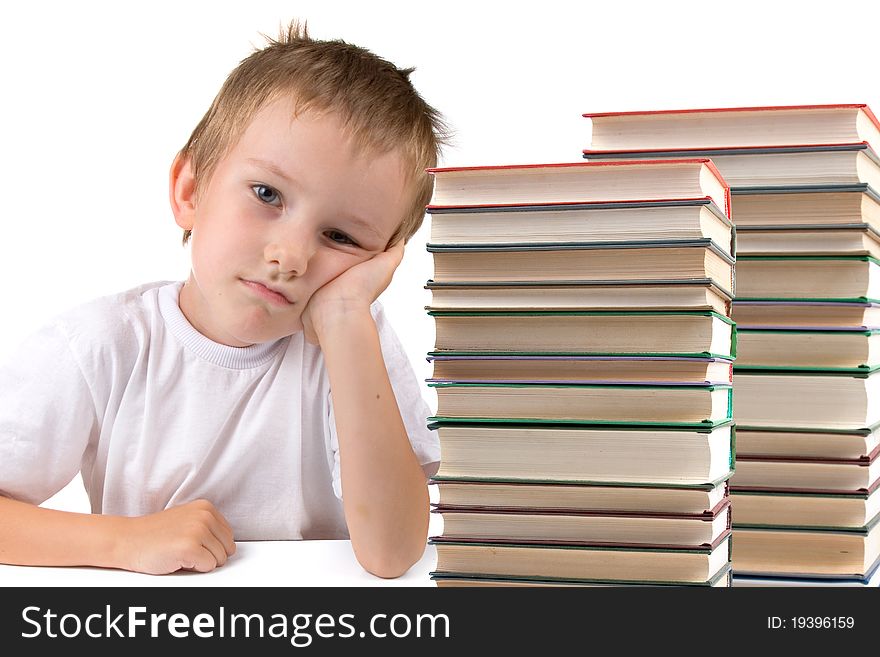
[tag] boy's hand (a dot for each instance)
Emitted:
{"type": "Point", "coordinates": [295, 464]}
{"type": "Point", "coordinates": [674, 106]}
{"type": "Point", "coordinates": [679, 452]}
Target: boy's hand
{"type": "Point", "coordinates": [193, 536]}
{"type": "Point", "coordinates": [353, 291]}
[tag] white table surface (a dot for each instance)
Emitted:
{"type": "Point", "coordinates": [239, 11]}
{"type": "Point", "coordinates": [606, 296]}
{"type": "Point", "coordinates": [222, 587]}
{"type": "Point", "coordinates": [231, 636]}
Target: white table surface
{"type": "Point", "coordinates": [255, 563]}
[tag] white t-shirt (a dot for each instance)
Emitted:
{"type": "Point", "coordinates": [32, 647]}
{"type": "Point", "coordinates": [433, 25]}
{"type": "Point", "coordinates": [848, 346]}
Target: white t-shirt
{"type": "Point", "coordinates": [155, 414]}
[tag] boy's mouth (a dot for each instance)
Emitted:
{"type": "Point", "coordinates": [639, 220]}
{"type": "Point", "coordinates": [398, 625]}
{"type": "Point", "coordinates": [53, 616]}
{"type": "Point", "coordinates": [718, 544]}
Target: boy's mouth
{"type": "Point", "coordinates": [268, 293]}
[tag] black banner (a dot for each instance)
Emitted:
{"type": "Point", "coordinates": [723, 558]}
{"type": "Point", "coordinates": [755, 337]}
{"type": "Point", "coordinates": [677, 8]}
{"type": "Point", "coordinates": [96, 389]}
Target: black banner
{"type": "Point", "coordinates": [402, 620]}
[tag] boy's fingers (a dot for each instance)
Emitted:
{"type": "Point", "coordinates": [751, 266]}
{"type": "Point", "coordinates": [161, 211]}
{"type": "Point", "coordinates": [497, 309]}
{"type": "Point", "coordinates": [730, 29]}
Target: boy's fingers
{"type": "Point", "coordinates": [225, 539]}
{"type": "Point", "coordinates": [222, 521]}
{"type": "Point", "coordinates": [397, 251]}
{"type": "Point", "coordinates": [202, 561]}
{"type": "Point", "coordinates": [217, 549]}
{"type": "Point", "coordinates": [223, 533]}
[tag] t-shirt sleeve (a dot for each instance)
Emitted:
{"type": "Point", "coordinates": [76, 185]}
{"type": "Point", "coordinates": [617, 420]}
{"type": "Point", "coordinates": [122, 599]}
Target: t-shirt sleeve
{"type": "Point", "coordinates": [47, 417]}
{"type": "Point", "coordinates": [413, 408]}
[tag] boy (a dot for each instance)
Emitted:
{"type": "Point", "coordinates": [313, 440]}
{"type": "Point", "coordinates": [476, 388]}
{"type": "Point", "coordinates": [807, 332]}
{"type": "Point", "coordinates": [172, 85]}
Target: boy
{"type": "Point", "coordinates": [265, 397]}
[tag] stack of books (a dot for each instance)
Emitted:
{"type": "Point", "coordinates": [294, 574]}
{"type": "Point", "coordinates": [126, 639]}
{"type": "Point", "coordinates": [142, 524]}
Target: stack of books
{"type": "Point", "coordinates": [583, 370]}
{"type": "Point", "coordinates": [805, 184]}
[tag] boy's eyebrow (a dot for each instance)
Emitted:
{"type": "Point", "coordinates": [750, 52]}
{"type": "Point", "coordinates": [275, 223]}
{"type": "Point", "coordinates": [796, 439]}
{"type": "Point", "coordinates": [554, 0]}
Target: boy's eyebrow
{"type": "Point", "coordinates": [271, 167]}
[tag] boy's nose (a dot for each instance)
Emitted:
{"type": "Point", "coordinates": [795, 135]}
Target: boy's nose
{"type": "Point", "coordinates": [289, 252]}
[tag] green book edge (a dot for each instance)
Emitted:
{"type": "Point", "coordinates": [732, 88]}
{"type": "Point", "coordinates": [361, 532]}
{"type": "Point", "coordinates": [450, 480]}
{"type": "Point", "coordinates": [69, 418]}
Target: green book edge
{"type": "Point", "coordinates": [861, 331]}
{"type": "Point", "coordinates": [457, 384]}
{"type": "Point", "coordinates": [796, 300]}
{"type": "Point", "coordinates": [690, 549]}
{"type": "Point", "coordinates": [441, 420]}
{"type": "Point", "coordinates": [842, 372]}
{"type": "Point", "coordinates": [648, 354]}
{"type": "Point", "coordinates": [581, 313]}
{"type": "Point", "coordinates": [707, 486]}
{"type": "Point", "coordinates": [439, 576]}
{"type": "Point", "coordinates": [824, 529]}
{"type": "Point", "coordinates": [861, 431]}
{"type": "Point", "coordinates": [862, 300]}
{"type": "Point", "coordinates": [768, 493]}
{"type": "Point", "coordinates": [860, 258]}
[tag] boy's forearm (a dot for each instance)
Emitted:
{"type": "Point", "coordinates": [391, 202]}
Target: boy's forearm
{"type": "Point", "coordinates": [385, 495]}
{"type": "Point", "coordinates": [34, 536]}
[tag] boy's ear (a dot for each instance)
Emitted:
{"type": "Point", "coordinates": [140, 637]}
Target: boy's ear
{"type": "Point", "coordinates": [182, 192]}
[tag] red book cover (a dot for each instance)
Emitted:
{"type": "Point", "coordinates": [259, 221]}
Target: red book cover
{"type": "Point", "coordinates": [767, 108]}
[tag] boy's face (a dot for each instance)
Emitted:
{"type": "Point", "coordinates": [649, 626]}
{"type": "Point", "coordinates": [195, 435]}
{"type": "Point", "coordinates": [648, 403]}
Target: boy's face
{"type": "Point", "coordinates": [292, 206]}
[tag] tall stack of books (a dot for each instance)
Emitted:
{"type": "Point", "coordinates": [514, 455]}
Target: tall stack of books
{"type": "Point", "coordinates": [805, 184]}
{"type": "Point", "coordinates": [583, 369]}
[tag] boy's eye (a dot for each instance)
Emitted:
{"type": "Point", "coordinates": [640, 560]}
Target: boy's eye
{"type": "Point", "coordinates": [266, 194]}
{"type": "Point", "coordinates": [340, 238]}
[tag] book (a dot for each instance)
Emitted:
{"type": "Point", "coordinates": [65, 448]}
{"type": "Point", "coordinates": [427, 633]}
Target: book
{"type": "Point", "coordinates": [623, 565]}
{"type": "Point", "coordinates": [584, 526]}
{"type": "Point", "coordinates": [805, 509]}
{"type": "Point", "coordinates": [487, 368]}
{"type": "Point", "coordinates": [580, 183]}
{"type": "Point", "coordinates": [529, 402]}
{"type": "Point", "coordinates": [695, 499]}
{"type": "Point", "coordinates": [869, 580]}
{"type": "Point", "coordinates": [808, 209]}
{"type": "Point", "coordinates": [793, 401]}
{"type": "Point", "coordinates": [807, 552]}
{"type": "Point", "coordinates": [553, 453]}
{"type": "Point", "coordinates": [697, 294]}
{"type": "Point", "coordinates": [722, 578]}
{"type": "Point", "coordinates": [806, 474]}
{"type": "Point", "coordinates": [805, 314]}
{"type": "Point", "coordinates": [856, 239]}
{"type": "Point", "coordinates": [761, 169]}
{"type": "Point", "coordinates": [702, 334]}
{"type": "Point", "coordinates": [807, 444]}
{"type": "Point", "coordinates": [656, 221]}
{"type": "Point", "coordinates": [808, 278]}
{"type": "Point", "coordinates": [720, 127]}
{"type": "Point", "coordinates": [837, 349]}
{"type": "Point", "coordinates": [633, 262]}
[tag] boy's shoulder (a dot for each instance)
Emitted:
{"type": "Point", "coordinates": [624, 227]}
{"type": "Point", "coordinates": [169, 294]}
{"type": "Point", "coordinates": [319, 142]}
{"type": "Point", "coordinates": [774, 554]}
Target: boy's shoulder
{"type": "Point", "coordinates": [123, 315]}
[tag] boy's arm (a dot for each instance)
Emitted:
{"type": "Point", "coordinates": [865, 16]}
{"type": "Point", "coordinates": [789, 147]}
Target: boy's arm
{"type": "Point", "coordinates": [192, 536]}
{"type": "Point", "coordinates": [385, 494]}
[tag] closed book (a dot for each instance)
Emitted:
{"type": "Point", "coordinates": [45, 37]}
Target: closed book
{"type": "Point", "coordinates": [632, 262]}
{"type": "Point", "coordinates": [584, 526]}
{"type": "Point", "coordinates": [805, 509]}
{"type": "Point", "coordinates": [552, 453]}
{"type": "Point", "coordinates": [808, 208]}
{"type": "Point", "coordinates": [720, 127]}
{"type": "Point", "coordinates": [761, 169]}
{"type": "Point", "coordinates": [623, 564]}
{"type": "Point", "coordinates": [656, 221]}
{"type": "Point", "coordinates": [808, 278]}
{"type": "Point", "coordinates": [529, 402]}
{"type": "Point", "coordinates": [871, 579]}
{"type": "Point", "coordinates": [807, 444]}
{"type": "Point", "coordinates": [580, 183]}
{"type": "Point", "coordinates": [721, 579]}
{"type": "Point", "coordinates": [695, 294]}
{"type": "Point", "coordinates": [852, 240]}
{"type": "Point", "coordinates": [805, 314]}
{"type": "Point", "coordinates": [835, 349]}
{"type": "Point", "coordinates": [805, 474]}
{"type": "Point", "coordinates": [701, 334]}
{"type": "Point", "coordinates": [694, 500]}
{"type": "Point", "coordinates": [488, 368]}
{"type": "Point", "coordinates": [807, 552]}
{"type": "Point", "coordinates": [806, 401]}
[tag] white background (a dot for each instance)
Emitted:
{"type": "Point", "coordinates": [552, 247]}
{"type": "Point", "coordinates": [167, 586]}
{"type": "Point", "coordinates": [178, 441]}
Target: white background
{"type": "Point", "coordinates": [97, 97]}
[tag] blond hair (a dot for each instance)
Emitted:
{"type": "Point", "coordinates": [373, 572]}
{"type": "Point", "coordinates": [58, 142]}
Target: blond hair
{"type": "Point", "coordinates": [375, 100]}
